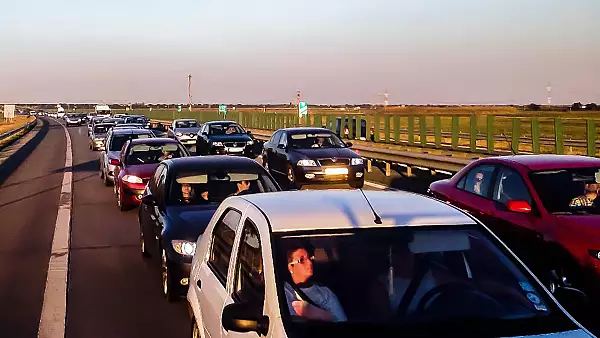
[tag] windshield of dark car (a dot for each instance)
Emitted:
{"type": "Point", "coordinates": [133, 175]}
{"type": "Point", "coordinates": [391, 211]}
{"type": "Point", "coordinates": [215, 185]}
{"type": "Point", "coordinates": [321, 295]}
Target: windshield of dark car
{"type": "Point", "coordinates": [569, 191]}
{"type": "Point", "coordinates": [186, 124]}
{"type": "Point", "coordinates": [153, 153]}
{"type": "Point", "coordinates": [226, 129]}
{"type": "Point", "coordinates": [117, 141]}
{"type": "Point", "coordinates": [317, 140]}
{"type": "Point", "coordinates": [139, 120]}
{"type": "Point", "coordinates": [212, 187]}
{"type": "Point", "coordinates": [404, 276]}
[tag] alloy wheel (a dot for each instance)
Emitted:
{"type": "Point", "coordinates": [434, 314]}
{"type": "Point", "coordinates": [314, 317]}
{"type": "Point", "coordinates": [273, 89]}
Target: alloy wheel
{"type": "Point", "coordinates": [165, 273]}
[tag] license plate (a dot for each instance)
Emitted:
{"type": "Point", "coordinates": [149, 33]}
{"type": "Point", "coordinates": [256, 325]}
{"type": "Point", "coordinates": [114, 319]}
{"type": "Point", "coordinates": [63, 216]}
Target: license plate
{"type": "Point", "coordinates": [336, 171]}
{"type": "Point", "coordinates": [235, 150]}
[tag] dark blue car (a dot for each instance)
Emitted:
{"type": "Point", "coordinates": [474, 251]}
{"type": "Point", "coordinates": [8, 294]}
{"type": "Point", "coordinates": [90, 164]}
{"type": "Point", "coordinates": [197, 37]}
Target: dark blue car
{"type": "Point", "coordinates": [178, 203]}
{"type": "Point", "coordinates": [224, 138]}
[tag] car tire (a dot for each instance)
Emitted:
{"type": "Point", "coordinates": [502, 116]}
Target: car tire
{"type": "Point", "coordinates": [106, 180]}
{"type": "Point", "coordinates": [122, 207]}
{"type": "Point", "coordinates": [291, 178]}
{"type": "Point", "coordinates": [357, 184]}
{"type": "Point", "coordinates": [168, 284]}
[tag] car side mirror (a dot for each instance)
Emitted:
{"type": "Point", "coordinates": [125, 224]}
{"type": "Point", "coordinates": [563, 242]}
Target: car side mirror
{"type": "Point", "coordinates": [238, 317]}
{"type": "Point", "coordinates": [149, 200]}
{"type": "Point", "coordinates": [280, 146]}
{"type": "Point", "coordinates": [519, 206]}
{"type": "Point", "coordinates": [348, 144]}
{"type": "Point", "coordinates": [571, 298]}
{"type": "Point", "coordinates": [248, 132]}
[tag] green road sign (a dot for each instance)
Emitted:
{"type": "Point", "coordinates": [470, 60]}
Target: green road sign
{"type": "Point", "coordinates": [302, 109]}
{"type": "Point", "coordinates": [179, 108]}
{"type": "Point", "coordinates": [222, 109]}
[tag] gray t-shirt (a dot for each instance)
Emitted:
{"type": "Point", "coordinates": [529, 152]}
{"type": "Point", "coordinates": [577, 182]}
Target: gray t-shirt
{"type": "Point", "coordinates": [320, 295]}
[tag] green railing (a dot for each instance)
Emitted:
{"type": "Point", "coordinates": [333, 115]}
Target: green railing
{"type": "Point", "coordinates": [466, 133]}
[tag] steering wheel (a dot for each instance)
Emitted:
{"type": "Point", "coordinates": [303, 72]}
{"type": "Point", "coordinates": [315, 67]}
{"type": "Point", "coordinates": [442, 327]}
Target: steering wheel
{"type": "Point", "coordinates": [450, 298]}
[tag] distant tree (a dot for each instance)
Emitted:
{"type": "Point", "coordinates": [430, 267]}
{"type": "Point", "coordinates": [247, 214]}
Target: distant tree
{"type": "Point", "coordinates": [591, 106]}
{"type": "Point", "coordinates": [533, 106]}
{"type": "Point", "coordinates": [576, 106]}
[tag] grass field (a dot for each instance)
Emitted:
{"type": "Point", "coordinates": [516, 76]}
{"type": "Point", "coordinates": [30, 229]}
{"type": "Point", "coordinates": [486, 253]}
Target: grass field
{"type": "Point", "coordinates": [19, 120]}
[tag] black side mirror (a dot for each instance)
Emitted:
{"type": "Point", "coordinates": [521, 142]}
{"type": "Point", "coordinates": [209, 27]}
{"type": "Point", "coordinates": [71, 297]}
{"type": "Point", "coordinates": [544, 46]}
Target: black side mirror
{"type": "Point", "coordinates": [348, 144]}
{"type": "Point", "coordinates": [149, 200]}
{"type": "Point", "coordinates": [248, 132]}
{"type": "Point", "coordinates": [239, 317]}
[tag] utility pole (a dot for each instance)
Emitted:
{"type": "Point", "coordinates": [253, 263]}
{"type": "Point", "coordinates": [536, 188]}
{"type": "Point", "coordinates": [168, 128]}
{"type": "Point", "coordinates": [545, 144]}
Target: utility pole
{"type": "Point", "coordinates": [549, 90]}
{"type": "Point", "coordinates": [190, 91]}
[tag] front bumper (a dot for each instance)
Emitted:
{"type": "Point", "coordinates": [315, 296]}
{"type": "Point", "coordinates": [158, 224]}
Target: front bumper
{"type": "Point", "coordinates": [132, 194]}
{"type": "Point", "coordinates": [232, 151]}
{"type": "Point", "coordinates": [180, 272]}
{"type": "Point", "coordinates": [307, 175]}
{"type": "Point", "coordinates": [186, 140]}
{"type": "Point", "coordinates": [73, 123]}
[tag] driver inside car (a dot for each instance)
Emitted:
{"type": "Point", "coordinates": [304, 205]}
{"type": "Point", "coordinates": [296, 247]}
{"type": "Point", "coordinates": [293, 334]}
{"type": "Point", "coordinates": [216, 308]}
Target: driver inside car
{"type": "Point", "coordinates": [188, 195]}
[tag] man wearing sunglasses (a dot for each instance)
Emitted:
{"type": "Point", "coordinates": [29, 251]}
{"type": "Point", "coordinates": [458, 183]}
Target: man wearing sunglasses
{"type": "Point", "coordinates": [305, 298]}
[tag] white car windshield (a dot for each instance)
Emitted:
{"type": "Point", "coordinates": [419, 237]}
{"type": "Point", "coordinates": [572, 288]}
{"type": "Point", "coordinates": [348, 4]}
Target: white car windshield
{"type": "Point", "coordinates": [405, 276]}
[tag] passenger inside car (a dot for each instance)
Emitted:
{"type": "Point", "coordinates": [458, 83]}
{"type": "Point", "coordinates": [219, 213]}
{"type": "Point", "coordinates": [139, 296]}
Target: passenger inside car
{"type": "Point", "coordinates": [587, 199]}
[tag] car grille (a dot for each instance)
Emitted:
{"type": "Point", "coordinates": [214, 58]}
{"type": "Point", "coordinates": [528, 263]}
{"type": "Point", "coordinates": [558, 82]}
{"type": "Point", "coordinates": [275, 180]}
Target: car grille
{"type": "Point", "coordinates": [234, 144]}
{"type": "Point", "coordinates": [329, 162]}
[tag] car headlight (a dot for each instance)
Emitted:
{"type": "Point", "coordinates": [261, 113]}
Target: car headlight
{"type": "Point", "coordinates": [307, 163]}
{"type": "Point", "coordinates": [185, 248]}
{"type": "Point", "coordinates": [250, 142]}
{"type": "Point", "coordinates": [357, 161]}
{"type": "Point", "coordinates": [217, 144]}
{"type": "Point", "coordinates": [132, 179]}
{"type": "Point", "coordinates": [179, 134]}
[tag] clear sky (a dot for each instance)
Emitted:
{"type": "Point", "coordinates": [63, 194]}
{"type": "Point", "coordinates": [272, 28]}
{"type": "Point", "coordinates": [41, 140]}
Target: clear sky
{"type": "Point", "coordinates": [334, 51]}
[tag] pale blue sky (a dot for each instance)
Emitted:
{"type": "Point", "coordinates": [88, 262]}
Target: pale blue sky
{"type": "Point", "coordinates": [334, 51]}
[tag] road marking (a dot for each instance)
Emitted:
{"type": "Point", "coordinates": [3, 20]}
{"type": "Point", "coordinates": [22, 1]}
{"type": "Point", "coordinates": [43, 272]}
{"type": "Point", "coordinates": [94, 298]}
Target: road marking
{"type": "Point", "coordinates": [54, 308]}
{"type": "Point", "coordinates": [376, 185]}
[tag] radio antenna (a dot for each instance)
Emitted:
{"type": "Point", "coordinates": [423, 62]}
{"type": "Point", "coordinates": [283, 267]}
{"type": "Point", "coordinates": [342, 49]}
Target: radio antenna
{"type": "Point", "coordinates": [377, 218]}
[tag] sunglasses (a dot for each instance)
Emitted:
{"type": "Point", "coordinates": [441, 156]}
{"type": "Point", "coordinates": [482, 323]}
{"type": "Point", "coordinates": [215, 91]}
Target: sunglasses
{"type": "Point", "coordinates": [478, 179]}
{"type": "Point", "coordinates": [303, 260]}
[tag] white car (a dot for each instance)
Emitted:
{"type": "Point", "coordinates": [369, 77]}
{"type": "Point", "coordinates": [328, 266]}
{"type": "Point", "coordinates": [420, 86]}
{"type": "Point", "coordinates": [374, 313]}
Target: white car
{"type": "Point", "coordinates": [340, 263]}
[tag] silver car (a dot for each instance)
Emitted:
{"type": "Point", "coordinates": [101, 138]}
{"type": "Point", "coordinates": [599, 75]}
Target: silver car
{"type": "Point", "coordinates": [98, 135]}
{"type": "Point", "coordinates": [184, 130]}
{"type": "Point", "coordinates": [110, 156]}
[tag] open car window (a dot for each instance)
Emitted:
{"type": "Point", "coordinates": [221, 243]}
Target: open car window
{"type": "Point", "coordinates": [318, 140]}
{"type": "Point", "coordinates": [568, 191]}
{"type": "Point", "coordinates": [214, 187]}
{"type": "Point", "coordinates": [153, 153]}
{"type": "Point", "coordinates": [407, 276]}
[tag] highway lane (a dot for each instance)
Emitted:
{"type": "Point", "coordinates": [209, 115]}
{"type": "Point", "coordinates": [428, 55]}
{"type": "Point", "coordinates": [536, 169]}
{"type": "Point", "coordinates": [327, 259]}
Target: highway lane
{"type": "Point", "coordinates": [113, 292]}
{"type": "Point", "coordinates": [29, 195]}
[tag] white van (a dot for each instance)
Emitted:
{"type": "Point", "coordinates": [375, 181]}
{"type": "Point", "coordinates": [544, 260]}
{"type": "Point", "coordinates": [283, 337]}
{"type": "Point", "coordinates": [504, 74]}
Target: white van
{"type": "Point", "coordinates": [102, 110]}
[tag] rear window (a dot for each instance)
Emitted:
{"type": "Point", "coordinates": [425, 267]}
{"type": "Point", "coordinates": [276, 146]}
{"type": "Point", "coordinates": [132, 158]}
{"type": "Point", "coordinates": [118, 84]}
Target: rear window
{"type": "Point", "coordinates": [118, 141]}
{"type": "Point", "coordinates": [100, 129]}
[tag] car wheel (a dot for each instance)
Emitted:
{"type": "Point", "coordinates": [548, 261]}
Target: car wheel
{"type": "Point", "coordinates": [101, 173]}
{"type": "Point", "coordinates": [168, 284]}
{"type": "Point", "coordinates": [195, 329]}
{"type": "Point", "coordinates": [106, 180]}
{"type": "Point", "coordinates": [291, 176]}
{"type": "Point", "coordinates": [122, 207]}
{"type": "Point", "coordinates": [357, 184]}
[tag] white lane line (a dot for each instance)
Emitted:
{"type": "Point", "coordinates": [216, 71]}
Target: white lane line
{"type": "Point", "coordinates": [54, 308]}
{"type": "Point", "coordinates": [376, 185]}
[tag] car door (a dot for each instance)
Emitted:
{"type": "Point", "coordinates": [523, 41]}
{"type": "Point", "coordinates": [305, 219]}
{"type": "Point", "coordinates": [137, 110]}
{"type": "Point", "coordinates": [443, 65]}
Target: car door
{"type": "Point", "coordinates": [151, 219]}
{"type": "Point", "coordinates": [121, 165]}
{"type": "Point", "coordinates": [202, 140]}
{"type": "Point", "coordinates": [281, 161]}
{"type": "Point", "coordinates": [269, 149]}
{"type": "Point", "coordinates": [213, 273]}
{"type": "Point", "coordinates": [521, 231]}
{"type": "Point", "coordinates": [477, 202]}
{"type": "Point", "coordinates": [104, 153]}
{"type": "Point", "coordinates": [159, 210]}
{"type": "Point", "coordinates": [248, 286]}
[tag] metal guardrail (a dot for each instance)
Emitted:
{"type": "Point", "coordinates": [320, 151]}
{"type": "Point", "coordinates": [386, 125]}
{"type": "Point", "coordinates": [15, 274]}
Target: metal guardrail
{"type": "Point", "coordinates": [8, 134]}
{"type": "Point", "coordinates": [435, 162]}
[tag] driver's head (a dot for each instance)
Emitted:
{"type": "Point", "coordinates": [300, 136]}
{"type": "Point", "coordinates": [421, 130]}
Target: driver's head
{"type": "Point", "coordinates": [186, 190]}
{"type": "Point", "coordinates": [300, 264]}
{"type": "Point", "coordinates": [591, 189]}
{"type": "Point", "coordinates": [243, 185]}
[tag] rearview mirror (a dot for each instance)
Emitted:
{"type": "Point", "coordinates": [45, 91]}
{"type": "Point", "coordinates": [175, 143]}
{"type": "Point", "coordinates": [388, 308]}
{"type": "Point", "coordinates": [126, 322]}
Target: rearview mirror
{"type": "Point", "coordinates": [149, 200]}
{"type": "Point", "coordinates": [239, 317]}
{"type": "Point", "coordinates": [519, 206]}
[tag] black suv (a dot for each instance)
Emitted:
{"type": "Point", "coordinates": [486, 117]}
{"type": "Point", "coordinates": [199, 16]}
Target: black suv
{"type": "Point", "coordinates": [312, 155]}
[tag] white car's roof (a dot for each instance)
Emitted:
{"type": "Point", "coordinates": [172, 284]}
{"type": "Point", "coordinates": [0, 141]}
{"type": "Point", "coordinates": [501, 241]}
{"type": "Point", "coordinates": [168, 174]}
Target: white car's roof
{"type": "Point", "coordinates": [339, 209]}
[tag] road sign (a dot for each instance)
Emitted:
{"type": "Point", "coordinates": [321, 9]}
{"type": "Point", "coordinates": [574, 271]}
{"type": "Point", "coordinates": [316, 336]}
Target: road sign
{"type": "Point", "coordinates": [302, 109]}
{"type": "Point", "coordinates": [179, 108]}
{"type": "Point", "coordinates": [223, 109]}
{"type": "Point", "coordinates": [9, 111]}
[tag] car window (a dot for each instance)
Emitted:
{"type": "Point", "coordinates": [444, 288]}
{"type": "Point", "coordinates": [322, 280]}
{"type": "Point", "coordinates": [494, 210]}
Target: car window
{"type": "Point", "coordinates": [275, 138]}
{"type": "Point", "coordinates": [186, 124]}
{"type": "Point", "coordinates": [153, 153]}
{"type": "Point", "coordinates": [249, 287]}
{"type": "Point", "coordinates": [316, 140]}
{"type": "Point", "coordinates": [222, 243]}
{"type": "Point", "coordinates": [116, 142]}
{"type": "Point", "coordinates": [226, 129]}
{"type": "Point", "coordinates": [283, 140]}
{"type": "Point", "coordinates": [479, 179]}
{"type": "Point", "coordinates": [155, 177]}
{"type": "Point", "coordinates": [160, 189]}
{"type": "Point", "coordinates": [461, 183]}
{"type": "Point", "coordinates": [509, 186]}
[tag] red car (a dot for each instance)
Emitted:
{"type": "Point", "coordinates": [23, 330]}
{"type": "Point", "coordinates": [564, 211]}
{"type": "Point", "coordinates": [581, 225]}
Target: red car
{"type": "Point", "coordinates": [542, 207]}
{"type": "Point", "coordinates": [137, 161]}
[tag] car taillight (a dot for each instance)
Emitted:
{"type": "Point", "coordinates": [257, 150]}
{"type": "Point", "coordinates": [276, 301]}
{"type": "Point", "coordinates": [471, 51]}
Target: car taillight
{"type": "Point", "coordinates": [114, 161]}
